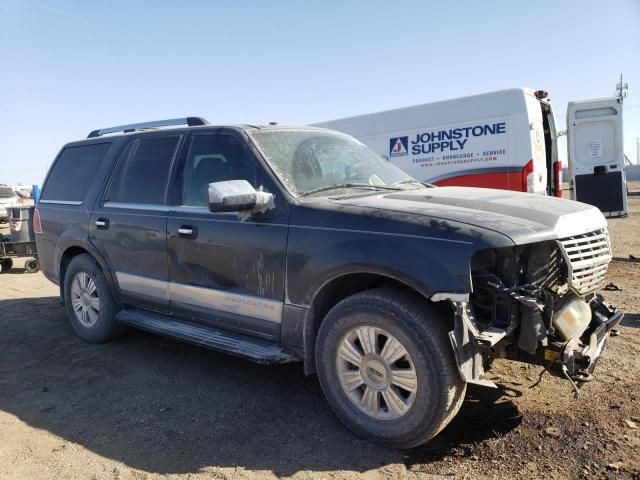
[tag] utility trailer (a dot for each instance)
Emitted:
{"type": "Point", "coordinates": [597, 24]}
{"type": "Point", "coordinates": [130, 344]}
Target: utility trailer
{"type": "Point", "coordinates": [21, 242]}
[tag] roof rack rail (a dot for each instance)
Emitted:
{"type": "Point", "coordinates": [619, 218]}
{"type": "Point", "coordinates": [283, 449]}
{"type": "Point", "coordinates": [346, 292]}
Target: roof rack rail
{"type": "Point", "coordinates": [190, 121]}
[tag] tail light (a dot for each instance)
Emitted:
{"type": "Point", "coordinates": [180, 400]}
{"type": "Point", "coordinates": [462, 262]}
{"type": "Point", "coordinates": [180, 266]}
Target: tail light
{"type": "Point", "coordinates": [37, 226]}
{"type": "Point", "coordinates": [528, 179]}
{"type": "Point", "coordinates": [557, 179]}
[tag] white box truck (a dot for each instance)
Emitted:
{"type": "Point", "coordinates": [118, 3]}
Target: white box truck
{"type": "Point", "coordinates": [505, 139]}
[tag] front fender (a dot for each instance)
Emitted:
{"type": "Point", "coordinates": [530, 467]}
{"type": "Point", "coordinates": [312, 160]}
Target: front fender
{"type": "Point", "coordinates": [427, 265]}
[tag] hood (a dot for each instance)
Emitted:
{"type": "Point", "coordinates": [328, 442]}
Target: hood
{"type": "Point", "coordinates": [523, 217]}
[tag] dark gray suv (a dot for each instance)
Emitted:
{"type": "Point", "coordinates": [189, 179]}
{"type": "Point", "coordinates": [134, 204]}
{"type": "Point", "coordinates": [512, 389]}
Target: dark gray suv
{"type": "Point", "coordinates": [283, 244]}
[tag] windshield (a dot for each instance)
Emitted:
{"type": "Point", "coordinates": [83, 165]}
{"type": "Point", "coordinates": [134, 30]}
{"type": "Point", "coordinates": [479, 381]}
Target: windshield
{"type": "Point", "coordinates": [309, 161]}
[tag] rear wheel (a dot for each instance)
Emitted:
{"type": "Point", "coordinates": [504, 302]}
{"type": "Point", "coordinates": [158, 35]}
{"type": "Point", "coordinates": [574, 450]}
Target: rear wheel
{"type": "Point", "coordinates": [386, 366]}
{"type": "Point", "coordinates": [88, 301]}
{"type": "Point", "coordinates": [32, 266]}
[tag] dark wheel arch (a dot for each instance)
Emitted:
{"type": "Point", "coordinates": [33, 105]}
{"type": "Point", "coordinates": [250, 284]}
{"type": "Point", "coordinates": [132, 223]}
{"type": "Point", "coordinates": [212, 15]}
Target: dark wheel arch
{"type": "Point", "coordinates": [337, 289]}
{"type": "Point", "coordinates": [73, 251]}
{"type": "Point", "coordinates": [85, 279]}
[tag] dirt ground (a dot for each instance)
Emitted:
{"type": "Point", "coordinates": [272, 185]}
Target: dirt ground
{"type": "Point", "coordinates": [146, 407]}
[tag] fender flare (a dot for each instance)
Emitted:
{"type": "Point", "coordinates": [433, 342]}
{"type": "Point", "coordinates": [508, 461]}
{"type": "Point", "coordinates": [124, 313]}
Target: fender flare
{"type": "Point", "coordinates": [67, 241]}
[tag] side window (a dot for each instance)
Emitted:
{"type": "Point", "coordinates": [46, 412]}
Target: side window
{"type": "Point", "coordinates": [74, 172]}
{"type": "Point", "coordinates": [143, 170]}
{"type": "Point", "coordinates": [214, 158]}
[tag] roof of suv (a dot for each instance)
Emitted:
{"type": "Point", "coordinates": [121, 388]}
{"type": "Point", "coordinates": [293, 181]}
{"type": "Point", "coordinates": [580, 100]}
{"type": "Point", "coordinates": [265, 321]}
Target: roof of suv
{"type": "Point", "coordinates": [178, 123]}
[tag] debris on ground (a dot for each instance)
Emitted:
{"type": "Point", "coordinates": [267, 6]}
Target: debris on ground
{"type": "Point", "coordinates": [615, 466]}
{"type": "Point", "coordinates": [552, 431]}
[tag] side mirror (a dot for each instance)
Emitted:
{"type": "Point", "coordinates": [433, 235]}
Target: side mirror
{"type": "Point", "coordinates": [237, 196]}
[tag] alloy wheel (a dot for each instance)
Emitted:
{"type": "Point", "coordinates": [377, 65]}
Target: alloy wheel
{"type": "Point", "coordinates": [376, 372]}
{"type": "Point", "coordinates": [84, 299]}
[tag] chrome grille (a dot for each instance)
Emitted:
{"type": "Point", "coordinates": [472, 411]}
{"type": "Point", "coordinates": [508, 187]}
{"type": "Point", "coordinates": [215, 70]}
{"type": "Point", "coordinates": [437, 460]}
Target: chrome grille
{"type": "Point", "coordinates": [588, 256]}
{"type": "Point", "coordinates": [556, 279]}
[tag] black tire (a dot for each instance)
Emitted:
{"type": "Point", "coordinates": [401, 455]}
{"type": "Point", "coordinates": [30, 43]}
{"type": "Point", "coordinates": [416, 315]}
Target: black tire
{"type": "Point", "coordinates": [423, 333]}
{"type": "Point", "coordinates": [32, 266]}
{"type": "Point", "coordinates": [6, 265]}
{"type": "Point", "coordinates": [103, 326]}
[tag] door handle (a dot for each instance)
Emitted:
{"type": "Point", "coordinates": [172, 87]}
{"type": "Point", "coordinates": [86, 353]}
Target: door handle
{"type": "Point", "coordinates": [187, 231]}
{"type": "Point", "coordinates": [102, 223]}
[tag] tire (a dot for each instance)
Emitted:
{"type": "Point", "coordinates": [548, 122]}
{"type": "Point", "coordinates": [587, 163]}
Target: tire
{"type": "Point", "coordinates": [424, 378]}
{"type": "Point", "coordinates": [83, 283]}
{"type": "Point", "coordinates": [32, 266]}
{"type": "Point", "coordinates": [6, 265]}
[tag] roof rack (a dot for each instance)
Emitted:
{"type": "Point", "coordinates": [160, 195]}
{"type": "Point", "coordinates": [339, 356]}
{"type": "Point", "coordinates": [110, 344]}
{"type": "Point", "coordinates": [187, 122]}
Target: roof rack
{"type": "Point", "coordinates": [190, 121]}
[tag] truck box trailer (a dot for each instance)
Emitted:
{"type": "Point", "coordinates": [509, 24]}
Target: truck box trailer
{"type": "Point", "coordinates": [505, 139]}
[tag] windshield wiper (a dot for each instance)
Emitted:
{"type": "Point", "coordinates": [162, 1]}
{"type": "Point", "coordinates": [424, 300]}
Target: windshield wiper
{"type": "Point", "coordinates": [346, 185]}
{"type": "Point", "coordinates": [414, 182]}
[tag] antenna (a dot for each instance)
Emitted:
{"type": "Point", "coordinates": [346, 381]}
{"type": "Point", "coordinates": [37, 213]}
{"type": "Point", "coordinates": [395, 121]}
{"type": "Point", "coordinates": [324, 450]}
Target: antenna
{"type": "Point", "coordinates": [621, 90]}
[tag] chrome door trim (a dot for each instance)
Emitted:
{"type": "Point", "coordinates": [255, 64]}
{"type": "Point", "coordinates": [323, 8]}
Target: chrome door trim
{"type": "Point", "coordinates": [220, 300]}
{"type": "Point", "coordinates": [136, 206]}
{"type": "Point", "coordinates": [62, 202]}
{"type": "Point", "coordinates": [143, 285]}
{"type": "Point", "coordinates": [245, 305]}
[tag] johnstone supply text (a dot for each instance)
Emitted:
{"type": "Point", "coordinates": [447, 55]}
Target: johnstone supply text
{"type": "Point", "coordinates": [452, 139]}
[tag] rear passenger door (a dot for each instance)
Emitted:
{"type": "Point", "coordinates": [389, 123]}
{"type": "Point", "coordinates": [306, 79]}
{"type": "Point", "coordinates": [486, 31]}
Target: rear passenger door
{"type": "Point", "coordinates": [129, 225]}
{"type": "Point", "coordinates": [224, 270]}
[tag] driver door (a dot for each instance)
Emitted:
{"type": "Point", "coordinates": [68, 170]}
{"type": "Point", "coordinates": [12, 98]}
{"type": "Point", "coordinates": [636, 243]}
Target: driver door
{"type": "Point", "coordinates": [223, 271]}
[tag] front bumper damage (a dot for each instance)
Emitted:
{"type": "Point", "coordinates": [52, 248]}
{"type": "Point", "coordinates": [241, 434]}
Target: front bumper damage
{"type": "Point", "coordinates": [574, 360]}
{"type": "Point", "coordinates": [580, 358]}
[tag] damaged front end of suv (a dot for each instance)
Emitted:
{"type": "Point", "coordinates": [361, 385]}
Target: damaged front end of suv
{"type": "Point", "coordinates": [536, 303]}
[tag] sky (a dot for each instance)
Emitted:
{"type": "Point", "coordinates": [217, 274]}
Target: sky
{"type": "Point", "coordinates": [68, 67]}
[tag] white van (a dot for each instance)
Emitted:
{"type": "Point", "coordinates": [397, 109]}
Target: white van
{"type": "Point", "coordinates": [504, 139]}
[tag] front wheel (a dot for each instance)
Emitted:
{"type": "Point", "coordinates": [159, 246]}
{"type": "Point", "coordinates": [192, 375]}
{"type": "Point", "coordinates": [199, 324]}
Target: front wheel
{"type": "Point", "coordinates": [386, 366]}
{"type": "Point", "coordinates": [88, 301]}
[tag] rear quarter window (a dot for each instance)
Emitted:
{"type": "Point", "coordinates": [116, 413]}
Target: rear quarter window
{"type": "Point", "coordinates": [73, 173]}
